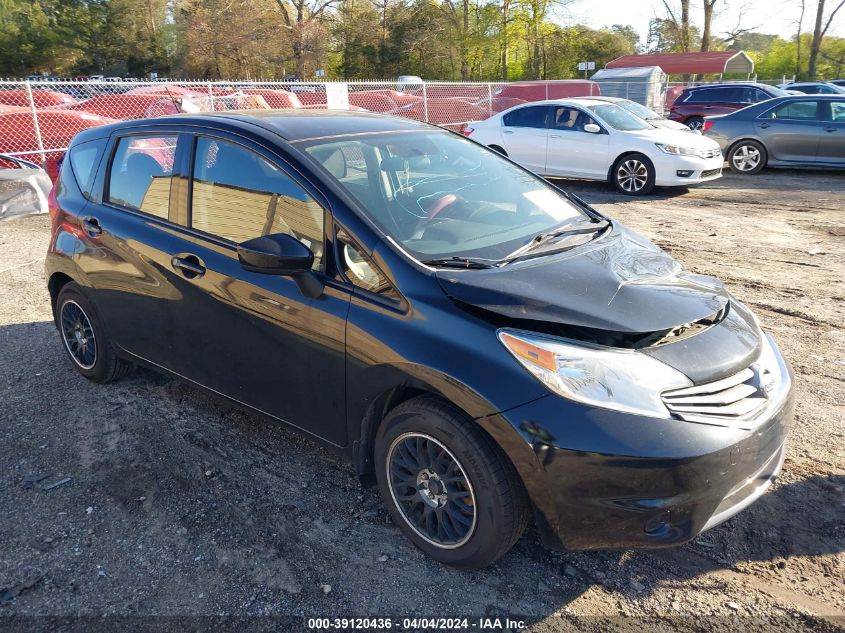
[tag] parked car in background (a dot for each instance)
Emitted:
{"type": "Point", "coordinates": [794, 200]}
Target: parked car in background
{"type": "Point", "coordinates": [646, 114]}
{"type": "Point", "coordinates": [596, 140]}
{"type": "Point", "coordinates": [805, 131]}
{"type": "Point", "coordinates": [483, 344]}
{"type": "Point", "coordinates": [694, 104]}
{"type": "Point", "coordinates": [837, 82]}
{"type": "Point", "coordinates": [814, 88]}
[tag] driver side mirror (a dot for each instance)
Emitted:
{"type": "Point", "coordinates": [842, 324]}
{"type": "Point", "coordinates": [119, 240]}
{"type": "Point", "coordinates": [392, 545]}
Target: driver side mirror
{"type": "Point", "coordinates": [281, 254]}
{"type": "Point", "coordinates": [592, 128]}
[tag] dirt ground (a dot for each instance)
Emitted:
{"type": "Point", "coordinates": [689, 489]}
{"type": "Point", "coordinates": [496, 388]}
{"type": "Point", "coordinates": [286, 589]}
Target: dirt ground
{"type": "Point", "coordinates": [177, 505]}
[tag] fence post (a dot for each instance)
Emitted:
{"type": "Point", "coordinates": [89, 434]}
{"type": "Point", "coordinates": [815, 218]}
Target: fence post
{"type": "Point", "coordinates": [210, 97]}
{"type": "Point", "coordinates": [35, 124]}
{"type": "Point", "coordinates": [489, 99]}
{"type": "Point", "coordinates": [425, 102]}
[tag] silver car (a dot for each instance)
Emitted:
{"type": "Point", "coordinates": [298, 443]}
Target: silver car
{"type": "Point", "coordinates": [646, 114]}
{"type": "Point", "coordinates": [794, 131]}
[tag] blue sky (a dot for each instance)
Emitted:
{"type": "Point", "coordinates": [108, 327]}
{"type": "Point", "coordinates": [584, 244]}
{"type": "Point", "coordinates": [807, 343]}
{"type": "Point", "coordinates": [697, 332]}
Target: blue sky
{"type": "Point", "coordinates": [769, 16]}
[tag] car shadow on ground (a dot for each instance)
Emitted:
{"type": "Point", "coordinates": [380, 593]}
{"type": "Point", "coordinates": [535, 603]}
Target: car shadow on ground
{"type": "Point", "coordinates": [194, 506]}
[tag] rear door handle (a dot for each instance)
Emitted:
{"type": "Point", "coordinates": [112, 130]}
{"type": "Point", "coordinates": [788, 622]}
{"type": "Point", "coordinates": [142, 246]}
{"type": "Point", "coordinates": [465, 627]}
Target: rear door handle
{"type": "Point", "coordinates": [554, 135]}
{"type": "Point", "coordinates": [830, 129]}
{"type": "Point", "coordinates": [507, 131]}
{"type": "Point", "coordinates": [91, 225]}
{"type": "Point", "coordinates": [764, 125]}
{"type": "Point", "coordinates": [189, 265]}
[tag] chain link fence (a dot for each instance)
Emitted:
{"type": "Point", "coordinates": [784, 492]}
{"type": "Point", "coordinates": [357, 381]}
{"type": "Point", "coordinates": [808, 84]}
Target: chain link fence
{"type": "Point", "coordinates": [38, 119]}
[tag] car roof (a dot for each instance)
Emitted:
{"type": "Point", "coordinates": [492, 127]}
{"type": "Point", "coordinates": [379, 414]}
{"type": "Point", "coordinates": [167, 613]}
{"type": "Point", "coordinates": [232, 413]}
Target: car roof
{"type": "Point", "coordinates": [580, 101]}
{"type": "Point", "coordinates": [737, 84]}
{"type": "Point", "coordinates": [292, 125]}
{"type": "Point", "coordinates": [605, 98]}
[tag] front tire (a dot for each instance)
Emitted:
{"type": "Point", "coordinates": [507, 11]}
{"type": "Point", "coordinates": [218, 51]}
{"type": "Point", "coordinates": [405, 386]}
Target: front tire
{"type": "Point", "coordinates": [633, 175]}
{"type": "Point", "coordinates": [747, 157]}
{"type": "Point", "coordinates": [84, 337]}
{"type": "Point", "coordinates": [447, 485]}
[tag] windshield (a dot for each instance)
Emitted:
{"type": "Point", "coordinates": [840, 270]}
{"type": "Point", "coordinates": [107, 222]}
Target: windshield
{"type": "Point", "coordinates": [777, 92]}
{"type": "Point", "coordinates": [443, 196]}
{"type": "Point", "coordinates": [638, 110]}
{"type": "Point", "coordinates": [619, 119]}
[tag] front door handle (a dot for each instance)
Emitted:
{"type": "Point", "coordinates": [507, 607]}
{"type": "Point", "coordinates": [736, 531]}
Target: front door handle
{"type": "Point", "coordinates": [708, 107]}
{"type": "Point", "coordinates": [91, 226]}
{"type": "Point", "coordinates": [830, 129]}
{"type": "Point", "coordinates": [189, 265]}
{"type": "Point", "coordinates": [507, 131]}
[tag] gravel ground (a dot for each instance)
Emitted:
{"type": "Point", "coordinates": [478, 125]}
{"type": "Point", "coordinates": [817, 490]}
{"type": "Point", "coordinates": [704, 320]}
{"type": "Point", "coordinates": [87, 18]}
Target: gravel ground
{"type": "Point", "coordinates": [179, 505]}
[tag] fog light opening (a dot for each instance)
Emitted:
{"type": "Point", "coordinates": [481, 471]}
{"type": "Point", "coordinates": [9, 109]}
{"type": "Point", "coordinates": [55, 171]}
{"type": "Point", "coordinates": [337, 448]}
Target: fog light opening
{"type": "Point", "coordinates": [684, 173]}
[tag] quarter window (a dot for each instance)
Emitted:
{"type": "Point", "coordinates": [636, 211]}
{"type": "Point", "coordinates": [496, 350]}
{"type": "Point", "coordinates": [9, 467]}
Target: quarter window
{"type": "Point", "coordinates": [239, 195]}
{"type": "Point", "coordinates": [83, 161]}
{"type": "Point", "coordinates": [532, 116]}
{"type": "Point", "coordinates": [140, 173]}
{"type": "Point", "coordinates": [362, 272]}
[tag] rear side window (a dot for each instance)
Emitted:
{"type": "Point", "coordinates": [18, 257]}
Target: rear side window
{"type": "Point", "coordinates": [795, 111]}
{"type": "Point", "coordinates": [140, 173]}
{"type": "Point", "coordinates": [700, 96]}
{"type": "Point", "coordinates": [84, 159]}
{"type": "Point", "coordinates": [533, 116]}
{"type": "Point", "coordinates": [837, 110]}
{"type": "Point", "coordinates": [239, 195]}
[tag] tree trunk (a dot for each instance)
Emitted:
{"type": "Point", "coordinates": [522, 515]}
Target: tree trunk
{"type": "Point", "coordinates": [505, 9]}
{"type": "Point", "coordinates": [817, 41]}
{"type": "Point", "coordinates": [798, 43]}
{"type": "Point", "coordinates": [465, 43]}
{"type": "Point", "coordinates": [685, 25]}
{"type": "Point", "coordinates": [708, 19]}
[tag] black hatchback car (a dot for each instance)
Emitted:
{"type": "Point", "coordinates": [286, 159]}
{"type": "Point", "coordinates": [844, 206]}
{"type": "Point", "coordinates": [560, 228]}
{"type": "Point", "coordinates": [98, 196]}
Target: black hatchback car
{"type": "Point", "coordinates": [483, 343]}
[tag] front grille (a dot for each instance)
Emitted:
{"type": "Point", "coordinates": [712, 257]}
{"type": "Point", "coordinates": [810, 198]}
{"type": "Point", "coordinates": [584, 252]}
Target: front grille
{"type": "Point", "coordinates": [711, 172]}
{"type": "Point", "coordinates": [731, 401]}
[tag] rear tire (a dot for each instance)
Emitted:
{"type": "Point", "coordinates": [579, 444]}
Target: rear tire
{"type": "Point", "coordinates": [633, 175]}
{"type": "Point", "coordinates": [448, 485]}
{"type": "Point", "coordinates": [747, 157]}
{"type": "Point", "coordinates": [694, 123]}
{"type": "Point", "coordinates": [84, 338]}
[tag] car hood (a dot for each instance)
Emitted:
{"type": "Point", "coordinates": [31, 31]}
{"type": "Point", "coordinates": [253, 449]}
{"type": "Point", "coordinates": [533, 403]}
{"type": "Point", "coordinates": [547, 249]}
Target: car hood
{"type": "Point", "coordinates": [620, 283]}
{"type": "Point", "coordinates": [669, 124]}
{"type": "Point", "coordinates": [681, 138]}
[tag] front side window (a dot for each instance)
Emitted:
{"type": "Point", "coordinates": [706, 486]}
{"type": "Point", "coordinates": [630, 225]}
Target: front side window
{"type": "Point", "coordinates": [531, 116]}
{"type": "Point", "coordinates": [441, 196]}
{"type": "Point", "coordinates": [140, 173]}
{"type": "Point", "coordinates": [570, 119]}
{"type": "Point", "coordinates": [238, 195]}
{"type": "Point", "coordinates": [619, 119]}
{"type": "Point", "coordinates": [795, 111]}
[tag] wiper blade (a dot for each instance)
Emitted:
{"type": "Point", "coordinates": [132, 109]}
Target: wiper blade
{"type": "Point", "coordinates": [460, 262]}
{"type": "Point", "coordinates": [545, 238]}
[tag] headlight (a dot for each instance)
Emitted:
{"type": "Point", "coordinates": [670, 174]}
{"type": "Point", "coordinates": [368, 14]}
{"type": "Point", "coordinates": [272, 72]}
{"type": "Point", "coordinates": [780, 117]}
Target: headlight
{"type": "Point", "coordinates": [624, 380]}
{"type": "Point", "coordinates": [677, 151]}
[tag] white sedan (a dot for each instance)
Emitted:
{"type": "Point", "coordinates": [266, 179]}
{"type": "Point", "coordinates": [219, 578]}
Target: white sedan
{"type": "Point", "coordinates": [596, 140]}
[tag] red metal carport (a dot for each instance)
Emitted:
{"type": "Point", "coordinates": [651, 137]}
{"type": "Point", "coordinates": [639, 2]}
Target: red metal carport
{"type": "Point", "coordinates": [709, 63]}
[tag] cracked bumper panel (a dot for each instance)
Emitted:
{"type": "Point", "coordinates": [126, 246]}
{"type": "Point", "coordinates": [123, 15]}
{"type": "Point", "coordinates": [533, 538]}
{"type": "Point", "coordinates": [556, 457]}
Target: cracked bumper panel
{"type": "Point", "coordinates": [613, 480]}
